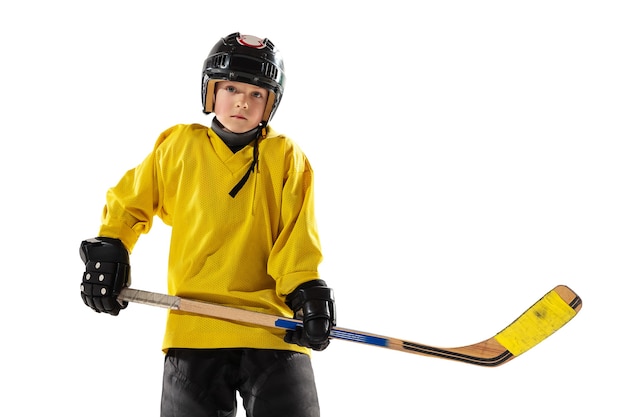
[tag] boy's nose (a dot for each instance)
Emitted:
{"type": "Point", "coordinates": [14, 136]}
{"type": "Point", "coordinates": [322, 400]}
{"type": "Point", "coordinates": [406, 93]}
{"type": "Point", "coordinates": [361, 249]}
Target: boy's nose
{"type": "Point", "coordinates": [241, 102]}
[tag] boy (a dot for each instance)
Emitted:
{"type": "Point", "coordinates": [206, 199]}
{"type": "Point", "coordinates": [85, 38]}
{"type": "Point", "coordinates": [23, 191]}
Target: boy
{"type": "Point", "coordinates": [239, 199]}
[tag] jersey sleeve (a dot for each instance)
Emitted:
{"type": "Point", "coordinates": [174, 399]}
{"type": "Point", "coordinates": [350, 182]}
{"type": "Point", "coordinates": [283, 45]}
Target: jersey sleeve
{"type": "Point", "coordinates": [296, 253]}
{"type": "Point", "coordinates": [132, 204]}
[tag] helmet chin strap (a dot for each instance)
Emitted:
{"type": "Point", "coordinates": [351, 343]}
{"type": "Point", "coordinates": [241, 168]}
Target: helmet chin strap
{"type": "Point", "coordinates": [236, 142]}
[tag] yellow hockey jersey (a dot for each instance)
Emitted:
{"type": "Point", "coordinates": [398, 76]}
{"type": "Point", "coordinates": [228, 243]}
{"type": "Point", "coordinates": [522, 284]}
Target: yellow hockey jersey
{"type": "Point", "coordinates": [247, 251]}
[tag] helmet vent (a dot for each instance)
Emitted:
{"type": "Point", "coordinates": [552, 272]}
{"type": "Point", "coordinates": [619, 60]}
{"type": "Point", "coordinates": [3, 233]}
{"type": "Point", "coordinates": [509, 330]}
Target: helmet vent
{"type": "Point", "coordinates": [220, 61]}
{"type": "Point", "coordinates": [231, 38]}
{"type": "Point", "coordinates": [270, 71]}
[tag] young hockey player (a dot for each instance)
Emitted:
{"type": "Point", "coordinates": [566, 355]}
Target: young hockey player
{"type": "Point", "coordinates": [239, 199]}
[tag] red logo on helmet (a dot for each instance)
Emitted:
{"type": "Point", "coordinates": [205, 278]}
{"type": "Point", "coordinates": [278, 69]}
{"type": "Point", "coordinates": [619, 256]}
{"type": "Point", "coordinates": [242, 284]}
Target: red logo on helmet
{"type": "Point", "coordinates": [251, 41]}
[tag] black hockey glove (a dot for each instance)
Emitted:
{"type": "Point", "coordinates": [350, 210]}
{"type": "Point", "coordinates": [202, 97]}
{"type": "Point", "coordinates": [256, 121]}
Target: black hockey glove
{"type": "Point", "coordinates": [107, 271]}
{"type": "Point", "coordinates": [313, 303]}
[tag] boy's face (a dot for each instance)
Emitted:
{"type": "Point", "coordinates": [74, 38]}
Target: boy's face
{"type": "Point", "coordinates": [239, 106]}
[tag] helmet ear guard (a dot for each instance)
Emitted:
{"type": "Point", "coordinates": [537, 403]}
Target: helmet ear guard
{"type": "Point", "coordinates": [248, 59]}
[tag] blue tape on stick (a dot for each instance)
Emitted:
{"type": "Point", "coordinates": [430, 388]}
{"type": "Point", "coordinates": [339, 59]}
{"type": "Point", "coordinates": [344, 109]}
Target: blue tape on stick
{"type": "Point", "coordinates": [338, 334]}
{"type": "Point", "coordinates": [358, 337]}
{"type": "Point", "coordinates": [285, 324]}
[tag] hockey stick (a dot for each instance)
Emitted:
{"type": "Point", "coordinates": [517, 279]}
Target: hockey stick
{"type": "Point", "coordinates": [545, 317]}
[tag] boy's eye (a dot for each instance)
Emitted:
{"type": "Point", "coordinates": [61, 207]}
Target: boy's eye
{"type": "Point", "coordinates": [257, 94]}
{"type": "Point", "coordinates": [230, 89]}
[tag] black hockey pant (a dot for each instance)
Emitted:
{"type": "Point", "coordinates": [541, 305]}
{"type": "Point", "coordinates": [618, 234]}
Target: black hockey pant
{"type": "Point", "coordinates": [204, 382]}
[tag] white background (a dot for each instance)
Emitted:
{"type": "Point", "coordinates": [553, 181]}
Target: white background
{"type": "Point", "coordinates": [468, 158]}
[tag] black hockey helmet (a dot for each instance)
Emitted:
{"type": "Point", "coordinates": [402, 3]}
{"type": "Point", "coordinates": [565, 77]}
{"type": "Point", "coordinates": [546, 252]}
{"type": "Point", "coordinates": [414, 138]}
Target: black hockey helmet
{"type": "Point", "coordinates": [247, 59]}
